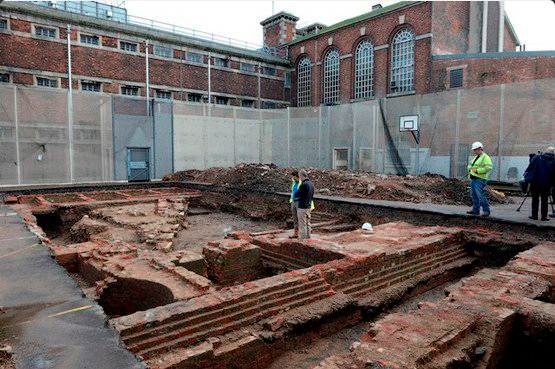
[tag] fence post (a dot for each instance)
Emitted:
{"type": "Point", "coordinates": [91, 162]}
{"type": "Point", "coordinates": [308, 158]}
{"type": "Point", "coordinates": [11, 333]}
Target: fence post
{"type": "Point", "coordinates": [205, 121]}
{"type": "Point", "coordinates": [354, 115]}
{"type": "Point", "coordinates": [288, 136]}
{"type": "Point", "coordinates": [16, 116]}
{"type": "Point", "coordinates": [500, 136]}
{"type": "Point", "coordinates": [234, 136]}
{"type": "Point", "coordinates": [320, 137]}
{"type": "Point", "coordinates": [374, 136]}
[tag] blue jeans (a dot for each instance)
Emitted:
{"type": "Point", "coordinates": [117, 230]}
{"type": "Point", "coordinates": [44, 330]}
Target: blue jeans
{"type": "Point", "coordinates": [478, 194]}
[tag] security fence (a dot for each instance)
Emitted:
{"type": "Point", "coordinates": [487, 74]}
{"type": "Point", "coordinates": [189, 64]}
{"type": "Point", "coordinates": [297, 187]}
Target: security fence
{"type": "Point", "coordinates": [98, 138]}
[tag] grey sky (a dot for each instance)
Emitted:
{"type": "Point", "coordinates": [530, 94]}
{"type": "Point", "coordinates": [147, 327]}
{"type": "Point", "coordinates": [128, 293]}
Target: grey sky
{"type": "Point", "coordinates": [532, 20]}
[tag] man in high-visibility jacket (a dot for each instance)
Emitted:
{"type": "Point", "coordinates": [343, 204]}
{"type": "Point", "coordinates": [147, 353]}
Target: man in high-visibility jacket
{"type": "Point", "coordinates": [478, 170]}
{"type": "Point", "coordinates": [294, 201]}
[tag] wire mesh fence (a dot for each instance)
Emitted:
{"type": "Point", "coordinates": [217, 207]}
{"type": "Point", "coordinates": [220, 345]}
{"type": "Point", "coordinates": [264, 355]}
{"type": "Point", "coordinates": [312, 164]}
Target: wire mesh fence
{"type": "Point", "coordinates": [122, 138]}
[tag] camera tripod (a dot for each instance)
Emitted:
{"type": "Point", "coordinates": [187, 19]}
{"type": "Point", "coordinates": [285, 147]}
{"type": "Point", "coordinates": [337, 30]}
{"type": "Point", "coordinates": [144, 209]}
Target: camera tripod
{"type": "Point", "coordinates": [552, 200]}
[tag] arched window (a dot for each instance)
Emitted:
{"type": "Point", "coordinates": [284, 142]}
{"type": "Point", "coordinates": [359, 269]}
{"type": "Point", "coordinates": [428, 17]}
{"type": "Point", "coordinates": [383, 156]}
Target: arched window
{"type": "Point", "coordinates": [331, 77]}
{"type": "Point", "coordinates": [402, 61]}
{"type": "Point", "coordinates": [303, 82]}
{"type": "Point", "coordinates": [364, 70]}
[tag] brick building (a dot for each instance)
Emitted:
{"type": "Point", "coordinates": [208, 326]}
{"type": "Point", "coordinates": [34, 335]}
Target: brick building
{"type": "Point", "coordinates": [402, 49]}
{"type": "Point", "coordinates": [108, 53]}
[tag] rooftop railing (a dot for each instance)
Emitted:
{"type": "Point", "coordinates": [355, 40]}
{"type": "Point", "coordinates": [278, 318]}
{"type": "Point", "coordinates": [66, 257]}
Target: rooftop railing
{"type": "Point", "coordinates": [120, 15]}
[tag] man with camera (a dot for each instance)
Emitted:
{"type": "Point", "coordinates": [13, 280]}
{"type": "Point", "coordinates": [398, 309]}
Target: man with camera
{"type": "Point", "coordinates": [541, 176]}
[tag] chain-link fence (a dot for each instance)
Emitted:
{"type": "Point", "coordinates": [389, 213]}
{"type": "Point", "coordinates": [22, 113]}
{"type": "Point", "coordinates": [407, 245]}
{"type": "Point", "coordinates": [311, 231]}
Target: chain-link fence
{"type": "Point", "coordinates": [122, 138]}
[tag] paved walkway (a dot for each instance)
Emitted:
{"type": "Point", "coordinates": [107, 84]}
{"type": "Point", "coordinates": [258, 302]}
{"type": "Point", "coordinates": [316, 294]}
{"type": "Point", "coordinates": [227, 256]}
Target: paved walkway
{"type": "Point", "coordinates": [45, 317]}
{"type": "Point", "coordinates": [505, 212]}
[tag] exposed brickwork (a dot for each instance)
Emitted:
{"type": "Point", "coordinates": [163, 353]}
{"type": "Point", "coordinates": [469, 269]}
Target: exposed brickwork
{"type": "Point", "coordinates": [481, 72]}
{"type": "Point", "coordinates": [450, 27]}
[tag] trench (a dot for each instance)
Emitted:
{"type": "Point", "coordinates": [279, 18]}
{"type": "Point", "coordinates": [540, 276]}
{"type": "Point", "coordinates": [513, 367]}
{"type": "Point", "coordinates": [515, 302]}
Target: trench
{"type": "Point", "coordinates": [215, 215]}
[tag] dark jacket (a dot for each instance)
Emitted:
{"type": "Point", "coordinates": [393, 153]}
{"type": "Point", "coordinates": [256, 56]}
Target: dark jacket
{"type": "Point", "coordinates": [305, 194]}
{"type": "Point", "coordinates": [541, 171]}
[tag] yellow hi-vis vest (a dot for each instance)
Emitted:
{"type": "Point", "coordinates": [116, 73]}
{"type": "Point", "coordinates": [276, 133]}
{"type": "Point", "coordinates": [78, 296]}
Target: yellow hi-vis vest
{"type": "Point", "coordinates": [482, 164]}
{"type": "Point", "coordinates": [294, 187]}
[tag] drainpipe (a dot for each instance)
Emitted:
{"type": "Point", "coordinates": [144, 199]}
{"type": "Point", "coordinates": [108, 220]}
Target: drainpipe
{"type": "Point", "coordinates": [70, 104]}
{"type": "Point", "coordinates": [209, 86]}
{"type": "Point", "coordinates": [501, 26]}
{"type": "Point", "coordinates": [259, 106]}
{"type": "Point", "coordinates": [147, 80]}
{"type": "Point", "coordinates": [484, 26]}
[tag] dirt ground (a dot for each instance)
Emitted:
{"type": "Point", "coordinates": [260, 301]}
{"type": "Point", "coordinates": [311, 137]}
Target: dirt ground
{"type": "Point", "coordinates": [214, 227]}
{"type": "Point", "coordinates": [427, 188]}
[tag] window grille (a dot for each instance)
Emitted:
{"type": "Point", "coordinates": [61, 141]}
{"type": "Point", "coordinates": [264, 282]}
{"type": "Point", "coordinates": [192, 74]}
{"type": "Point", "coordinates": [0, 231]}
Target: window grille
{"type": "Point", "coordinates": [303, 82]}
{"type": "Point", "coordinates": [90, 39]}
{"type": "Point", "coordinates": [47, 82]}
{"type": "Point", "coordinates": [221, 62]}
{"type": "Point", "coordinates": [220, 100]}
{"type": "Point", "coordinates": [165, 95]}
{"type": "Point", "coordinates": [163, 51]}
{"type": "Point", "coordinates": [247, 67]}
{"type": "Point", "coordinates": [3, 23]}
{"type": "Point", "coordinates": [364, 70]}
{"type": "Point", "coordinates": [247, 103]}
{"type": "Point", "coordinates": [194, 57]}
{"type": "Point", "coordinates": [456, 78]}
{"type": "Point", "coordinates": [45, 32]}
{"type": "Point", "coordinates": [194, 97]}
{"type": "Point", "coordinates": [402, 62]}
{"type": "Point", "coordinates": [130, 91]}
{"type": "Point", "coordinates": [331, 77]}
{"type": "Point", "coordinates": [90, 86]}
{"type": "Point", "coordinates": [128, 46]}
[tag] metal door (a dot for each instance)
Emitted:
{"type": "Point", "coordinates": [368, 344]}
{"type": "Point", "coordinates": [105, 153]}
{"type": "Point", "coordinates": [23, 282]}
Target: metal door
{"type": "Point", "coordinates": [138, 164]}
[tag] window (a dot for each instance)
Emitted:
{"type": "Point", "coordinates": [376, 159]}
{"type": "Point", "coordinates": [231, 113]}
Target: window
{"type": "Point", "coordinates": [194, 97]}
{"type": "Point", "coordinates": [128, 46]}
{"type": "Point", "coordinates": [456, 78]}
{"type": "Point", "coordinates": [220, 100]}
{"type": "Point", "coordinates": [287, 83]}
{"type": "Point", "coordinates": [164, 51]}
{"type": "Point", "coordinates": [268, 105]}
{"type": "Point", "coordinates": [4, 78]}
{"type": "Point", "coordinates": [331, 77]}
{"type": "Point", "coordinates": [221, 62]}
{"type": "Point", "coordinates": [90, 86]}
{"type": "Point", "coordinates": [303, 82]}
{"type": "Point", "coordinates": [130, 90]}
{"type": "Point", "coordinates": [90, 39]}
{"type": "Point", "coordinates": [47, 82]}
{"type": "Point", "coordinates": [3, 23]}
{"type": "Point", "coordinates": [194, 57]}
{"type": "Point", "coordinates": [45, 31]}
{"type": "Point", "coordinates": [247, 67]}
{"type": "Point", "coordinates": [268, 71]}
{"type": "Point", "coordinates": [402, 62]}
{"type": "Point", "coordinates": [247, 103]}
{"type": "Point", "coordinates": [161, 94]}
{"type": "Point", "coordinates": [364, 66]}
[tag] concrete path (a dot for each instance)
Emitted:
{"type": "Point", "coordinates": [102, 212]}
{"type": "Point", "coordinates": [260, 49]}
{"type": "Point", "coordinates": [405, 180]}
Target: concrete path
{"type": "Point", "coordinates": [44, 315]}
{"type": "Point", "coordinates": [504, 212]}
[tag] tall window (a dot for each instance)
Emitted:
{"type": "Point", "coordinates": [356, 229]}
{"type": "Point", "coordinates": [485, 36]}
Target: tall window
{"type": "Point", "coordinates": [364, 70]}
{"type": "Point", "coordinates": [402, 62]}
{"type": "Point", "coordinates": [331, 77]}
{"type": "Point", "coordinates": [303, 82]}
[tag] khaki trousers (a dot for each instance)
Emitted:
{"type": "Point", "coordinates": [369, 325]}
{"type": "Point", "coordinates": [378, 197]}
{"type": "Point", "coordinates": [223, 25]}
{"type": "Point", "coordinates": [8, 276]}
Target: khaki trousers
{"type": "Point", "coordinates": [304, 223]}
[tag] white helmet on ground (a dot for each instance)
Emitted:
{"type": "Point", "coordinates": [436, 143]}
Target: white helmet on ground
{"type": "Point", "coordinates": [367, 227]}
{"type": "Point", "coordinates": [477, 145]}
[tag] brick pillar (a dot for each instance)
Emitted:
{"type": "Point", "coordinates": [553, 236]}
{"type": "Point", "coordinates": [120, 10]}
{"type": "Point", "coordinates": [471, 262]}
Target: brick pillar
{"type": "Point", "coordinates": [279, 29]}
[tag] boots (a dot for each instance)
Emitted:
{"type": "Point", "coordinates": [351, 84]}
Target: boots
{"type": "Point", "coordinates": [295, 233]}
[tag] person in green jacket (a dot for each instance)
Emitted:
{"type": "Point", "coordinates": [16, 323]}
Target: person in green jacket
{"type": "Point", "coordinates": [478, 170]}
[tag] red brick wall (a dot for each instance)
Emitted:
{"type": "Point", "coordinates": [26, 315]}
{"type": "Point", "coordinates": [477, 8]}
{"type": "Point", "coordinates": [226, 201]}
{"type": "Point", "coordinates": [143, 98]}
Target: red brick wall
{"type": "Point", "coordinates": [509, 43]}
{"type": "Point", "coordinates": [46, 55]}
{"type": "Point", "coordinates": [271, 35]}
{"type": "Point", "coordinates": [450, 27]}
{"type": "Point", "coordinates": [379, 30]}
{"type": "Point", "coordinates": [492, 71]}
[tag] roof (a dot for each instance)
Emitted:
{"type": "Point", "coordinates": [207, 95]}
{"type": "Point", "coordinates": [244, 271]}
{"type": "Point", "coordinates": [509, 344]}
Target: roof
{"type": "Point", "coordinates": [360, 18]}
{"type": "Point", "coordinates": [278, 16]}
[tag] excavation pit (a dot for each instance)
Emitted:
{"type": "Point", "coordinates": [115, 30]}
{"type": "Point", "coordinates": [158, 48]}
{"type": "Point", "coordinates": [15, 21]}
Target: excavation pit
{"type": "Point", "coordinates": [189, 285]}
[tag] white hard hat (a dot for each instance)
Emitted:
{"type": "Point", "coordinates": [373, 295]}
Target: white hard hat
{"type": "Point", "coordinates": [477, 145]}
{"type": "Point", "coordinates": [367, 227]}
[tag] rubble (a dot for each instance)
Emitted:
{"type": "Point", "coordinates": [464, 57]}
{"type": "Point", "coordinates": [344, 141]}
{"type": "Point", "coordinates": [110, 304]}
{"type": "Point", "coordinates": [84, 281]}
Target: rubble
{"type": "Point", "coordinates": [427, 188]}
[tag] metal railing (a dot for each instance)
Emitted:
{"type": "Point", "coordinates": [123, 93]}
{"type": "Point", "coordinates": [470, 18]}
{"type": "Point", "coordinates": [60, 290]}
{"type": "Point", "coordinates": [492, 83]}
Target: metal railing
{"type": "Point", "coordinates": [120, 15]}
